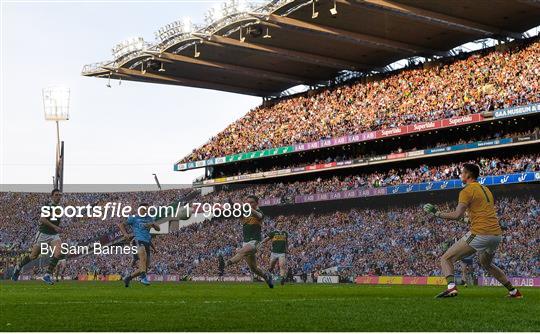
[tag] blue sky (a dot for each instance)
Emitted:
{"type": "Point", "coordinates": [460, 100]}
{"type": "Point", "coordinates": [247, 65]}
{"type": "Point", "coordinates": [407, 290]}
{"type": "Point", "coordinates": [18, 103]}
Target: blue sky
{"type": "Point", "coordinates": [116, 135]}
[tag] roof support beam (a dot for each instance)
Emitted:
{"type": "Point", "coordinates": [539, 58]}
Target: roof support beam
{"type": "Point", "coordinates": [292, 55]}
{"type": "Point", "coordinates": [344, 35]}
{"type": "Point", "coordinates": [431, 17]}
{"type": "Point", "coordinates": [186, 82]}
{"type": "Point", "coordinates": [251, 72]}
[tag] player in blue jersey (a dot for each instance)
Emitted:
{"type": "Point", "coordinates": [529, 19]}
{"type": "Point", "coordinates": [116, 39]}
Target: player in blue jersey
{"type": "Point", "coordinates": [467, 277]}
{"type": "Point", "coordinates": [140, 225]}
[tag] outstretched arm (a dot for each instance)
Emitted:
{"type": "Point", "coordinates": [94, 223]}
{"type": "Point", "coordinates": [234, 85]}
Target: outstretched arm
{"type": "Point", "coordinates": [458, 213]}
{"type": "Point", "coordinates": [256, 212]}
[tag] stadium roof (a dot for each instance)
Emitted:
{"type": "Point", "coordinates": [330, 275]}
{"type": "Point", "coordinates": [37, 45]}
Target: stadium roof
{"type": "Point", "coordinates": [266, 50]}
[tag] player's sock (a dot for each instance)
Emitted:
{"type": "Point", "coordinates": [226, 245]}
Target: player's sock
{"type": "Point", "coordinates": [144, 280]}
{"type": "Point", "coordinates": [52, 265]}
{"type": "Point", "coordinates": [510, 287]}
{"type": "Point", "coordinates": [451, 282]}
{"type": "Point", "coordinates": [18, 267]}
{"type": "Point", "coordinates": [268, 278]}
{"type": "Point", "coordinates": [24, 261]}
{"type": "Point", "coordinates": [48, 279]}
{"type": "Point", "coordinates": [126, 280]}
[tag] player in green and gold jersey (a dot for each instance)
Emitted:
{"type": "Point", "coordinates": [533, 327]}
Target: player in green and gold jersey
{"type": "Point", "coordinates": [252, 230]}
{"type": "Point", "coordinates": [279, 239]}
{"type": "Point", "coordinates": [49, 228]}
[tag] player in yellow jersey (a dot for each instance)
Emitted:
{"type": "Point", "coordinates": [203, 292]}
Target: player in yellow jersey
{"type": "Point", "coordinates": [485, 234]}
{"type": "Point", "coordinates": [252, 231]}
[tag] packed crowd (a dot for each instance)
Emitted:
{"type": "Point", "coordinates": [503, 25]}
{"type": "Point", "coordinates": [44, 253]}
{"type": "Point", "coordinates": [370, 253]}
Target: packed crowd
{"type": "Point", "coordinates": [395, 176]}
{"type": "Point", "coordinates": [21, 211]}
{"type": "Point", "coordinates": [351, 155]}
{"type": "Point", "coordinates": [18, 220]}
{"type": "Point", "coordinates": [339, 238]}
{"type": "Point", "coordinates": [392, 241]}
{"type": "Point", "coordinates": [481, 82]}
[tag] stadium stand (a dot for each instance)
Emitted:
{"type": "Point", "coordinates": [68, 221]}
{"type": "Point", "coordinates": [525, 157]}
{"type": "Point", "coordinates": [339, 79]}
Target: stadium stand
{"type": "Point", "coordinates": [500, 79]}
{"type": "Point", "coordinates": [496, 163]}
{"type": "Point", "coordinates": [326, 160]}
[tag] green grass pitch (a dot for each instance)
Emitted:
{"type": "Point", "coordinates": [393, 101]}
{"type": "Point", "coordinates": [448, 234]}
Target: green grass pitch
{"type": "Point", "coordinates": [100, 306]}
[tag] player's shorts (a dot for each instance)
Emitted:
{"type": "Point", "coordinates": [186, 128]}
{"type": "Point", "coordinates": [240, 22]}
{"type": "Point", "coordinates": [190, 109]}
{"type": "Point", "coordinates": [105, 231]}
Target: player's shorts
{"type": "Point", "coordinates": [277, 256]}
{"type": "Point", "coordinates": [253, 243]}
{"type": "Point", "coordinates": [45, 238]}
{"type": "Point", "coordinates": [483, 243]}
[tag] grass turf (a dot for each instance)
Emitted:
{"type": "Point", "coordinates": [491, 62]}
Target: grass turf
{"type": "Point", "coordinates": [99, 306]}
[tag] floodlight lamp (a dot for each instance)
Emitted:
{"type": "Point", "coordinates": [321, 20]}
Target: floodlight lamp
{"type": "Point", "coordinates": [187, 26]}
{"type": "Point", "coordinates": [218, 12]}
{"type": "Point", "coordinates": [228, 8]}
{"type": "Point", "coordinates": [56, 103]}
{"type": "Point", "coordinates": [242, 6]}
{"type": "Point", "coordinates": [208, 18]}
{"type": "Point", "coordinates": [211, 14]}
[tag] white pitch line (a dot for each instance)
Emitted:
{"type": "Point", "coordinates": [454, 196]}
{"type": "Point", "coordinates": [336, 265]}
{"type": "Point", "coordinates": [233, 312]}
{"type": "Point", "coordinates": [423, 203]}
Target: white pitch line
{"type": "Point", "coordinates": [76, 302]}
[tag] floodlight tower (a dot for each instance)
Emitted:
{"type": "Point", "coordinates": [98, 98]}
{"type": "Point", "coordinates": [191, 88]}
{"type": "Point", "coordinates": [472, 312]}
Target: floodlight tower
{"type": "Point", "coordinates": [56, 108]}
